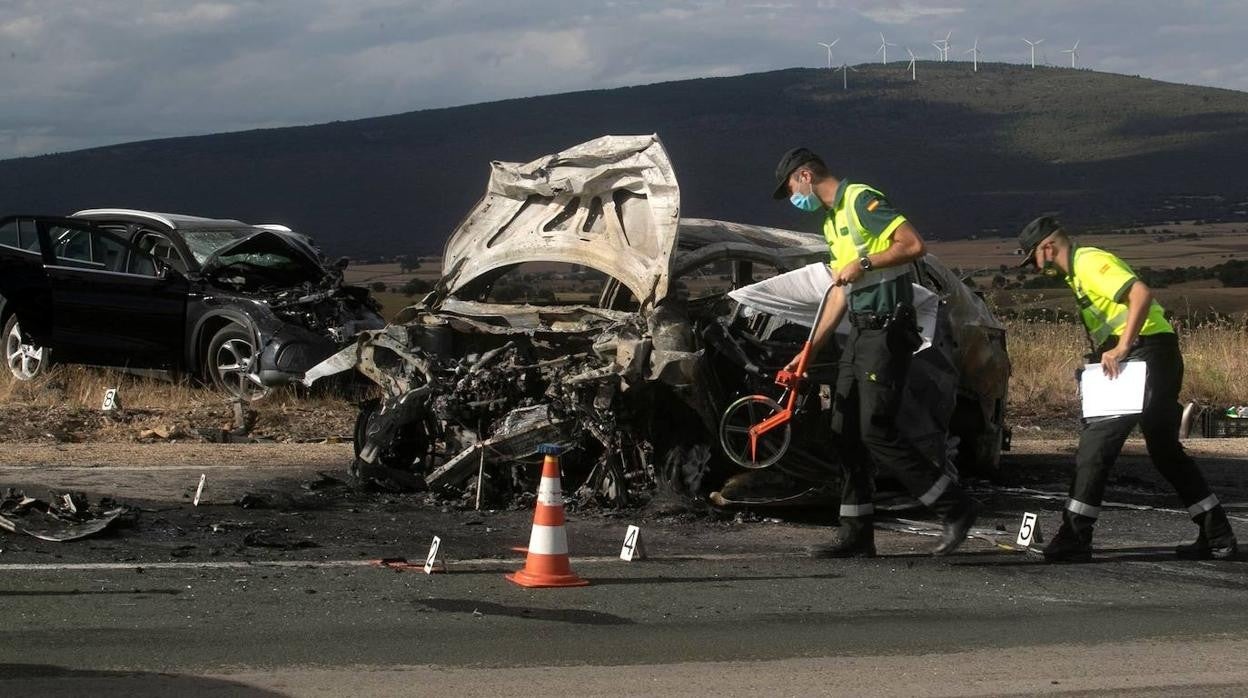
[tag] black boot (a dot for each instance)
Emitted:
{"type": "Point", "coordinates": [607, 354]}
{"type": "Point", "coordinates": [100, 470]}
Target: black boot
{"type": "Point", "coordinates": [1073, 540]}
{"type": "Point", "coordinates": [855, 538]}
{"type": "Point", "coordinates": [958, 521]}
{"type": "Point", "coordinates": [1215, 541]}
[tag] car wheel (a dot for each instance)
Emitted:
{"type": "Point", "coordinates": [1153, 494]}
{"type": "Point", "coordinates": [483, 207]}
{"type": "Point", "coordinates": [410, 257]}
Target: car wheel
{"type": "Point", "coordinates": [228, 363]}
{"type": "Point", "coordinates": [25, 361]}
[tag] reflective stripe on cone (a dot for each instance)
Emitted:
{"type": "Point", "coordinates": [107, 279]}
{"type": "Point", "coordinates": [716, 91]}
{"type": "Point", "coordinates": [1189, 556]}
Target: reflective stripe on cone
{"type": "Point", "coordinates": [547, 563]}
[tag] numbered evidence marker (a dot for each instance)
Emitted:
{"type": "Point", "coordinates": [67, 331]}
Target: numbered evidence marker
{"type": "Point", "coordinates": [1029, 531]}
{"type": "Point", "coordinates": [200, 490]}
{"type": "Point", "coordinates": [432, 563]}
{"type": "Point", "coordinates": [111, 403]}
{"type": "Point", "coordinates": [633, 548]}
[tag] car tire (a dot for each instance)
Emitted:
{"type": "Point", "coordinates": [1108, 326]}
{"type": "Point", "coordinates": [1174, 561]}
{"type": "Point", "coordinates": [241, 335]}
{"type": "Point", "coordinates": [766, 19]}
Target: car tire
{"type": "Point", "coordinates": [25, 361]}
{"type": "Point", "coordinates": [228, 361]}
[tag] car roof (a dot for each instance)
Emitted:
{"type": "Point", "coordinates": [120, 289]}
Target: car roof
{"type": "Point", "coordinates": [174, 221]}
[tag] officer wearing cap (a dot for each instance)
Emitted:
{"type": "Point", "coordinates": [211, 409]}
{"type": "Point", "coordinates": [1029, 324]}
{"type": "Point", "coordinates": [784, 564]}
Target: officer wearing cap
{"type": "Point", "coordinates": [1124, 323]}
{"type": "Point", "coordinates": [872, 248]}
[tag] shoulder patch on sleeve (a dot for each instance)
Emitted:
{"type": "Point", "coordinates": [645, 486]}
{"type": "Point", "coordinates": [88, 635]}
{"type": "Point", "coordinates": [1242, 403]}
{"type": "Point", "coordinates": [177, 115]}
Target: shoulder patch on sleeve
{"type": "Point", "coordinates": [1106, 267]}
{"type": "Point", "coordinates": [874, 204]}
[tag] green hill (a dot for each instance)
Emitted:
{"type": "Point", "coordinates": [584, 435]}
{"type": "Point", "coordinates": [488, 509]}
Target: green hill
{"type": "Point", "coordinates": [962, 153]}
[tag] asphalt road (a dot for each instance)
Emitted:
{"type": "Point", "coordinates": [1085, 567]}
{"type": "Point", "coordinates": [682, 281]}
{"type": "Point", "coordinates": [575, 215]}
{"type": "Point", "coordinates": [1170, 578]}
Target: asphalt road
{"type": "Point", "coordinates": [176, 606]}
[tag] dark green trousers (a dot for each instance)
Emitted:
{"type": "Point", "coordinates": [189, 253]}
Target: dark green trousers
{"type": "Point", "coordinates": [871, 383]}
{"type": "Point", "coordinates": [1101, 439]}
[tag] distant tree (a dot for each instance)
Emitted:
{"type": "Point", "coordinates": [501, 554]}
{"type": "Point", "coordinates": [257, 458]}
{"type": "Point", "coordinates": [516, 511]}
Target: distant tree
{"type": "Point", "coordinates": [409, 262]}
{"type": "Point", "coordinates": [1234, 274]}
{"type": "Point", "coordinates": [415, 286]}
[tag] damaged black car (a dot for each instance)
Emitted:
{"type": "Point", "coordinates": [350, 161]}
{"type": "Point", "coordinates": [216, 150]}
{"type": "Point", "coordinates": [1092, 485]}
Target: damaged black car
{"type": "Point", "coordinates": [242, 307]}
{"type": "Point", "coordinates": [656, 333]}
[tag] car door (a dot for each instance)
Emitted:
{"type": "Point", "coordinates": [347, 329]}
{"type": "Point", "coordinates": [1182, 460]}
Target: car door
{"type": "Point", "coordinates": [112, 303]}
{"type": "Point", "coordinates": [24, 286]}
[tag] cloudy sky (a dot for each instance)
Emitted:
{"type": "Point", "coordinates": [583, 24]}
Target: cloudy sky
{"type": "Point", "coordinates": [80, 73]}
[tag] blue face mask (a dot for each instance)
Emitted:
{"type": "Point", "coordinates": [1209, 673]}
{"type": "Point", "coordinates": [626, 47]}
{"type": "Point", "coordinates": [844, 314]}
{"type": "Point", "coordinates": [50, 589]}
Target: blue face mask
{"type": "Point", "coordinates": [806, 202]}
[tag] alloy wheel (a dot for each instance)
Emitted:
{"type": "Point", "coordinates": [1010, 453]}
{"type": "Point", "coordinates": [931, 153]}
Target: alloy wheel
{"type": "Point", "coordinates": [233, 364]}
{"type": "Point", "coordinates": [25, 361]}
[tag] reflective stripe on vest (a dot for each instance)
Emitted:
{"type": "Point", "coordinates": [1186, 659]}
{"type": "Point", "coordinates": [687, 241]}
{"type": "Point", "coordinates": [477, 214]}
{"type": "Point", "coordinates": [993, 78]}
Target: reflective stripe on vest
{"type": "Point", "coordinates": [845, 217]}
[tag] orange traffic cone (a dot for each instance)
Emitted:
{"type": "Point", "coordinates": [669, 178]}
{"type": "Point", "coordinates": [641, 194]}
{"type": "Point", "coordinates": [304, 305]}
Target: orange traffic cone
{"type": "Point", "coordinates": [547, 564]}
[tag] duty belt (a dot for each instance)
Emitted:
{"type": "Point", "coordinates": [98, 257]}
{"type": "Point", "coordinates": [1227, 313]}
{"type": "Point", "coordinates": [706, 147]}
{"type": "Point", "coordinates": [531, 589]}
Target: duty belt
{"type": "Point", "coordinates": [1145, 340]}
{"type": "Point", "coordinates": [869, 320]}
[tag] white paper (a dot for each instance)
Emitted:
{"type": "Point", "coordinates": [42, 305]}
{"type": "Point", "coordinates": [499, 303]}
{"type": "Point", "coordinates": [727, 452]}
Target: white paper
{"type": "Point", "coordinates": [1103, 397]}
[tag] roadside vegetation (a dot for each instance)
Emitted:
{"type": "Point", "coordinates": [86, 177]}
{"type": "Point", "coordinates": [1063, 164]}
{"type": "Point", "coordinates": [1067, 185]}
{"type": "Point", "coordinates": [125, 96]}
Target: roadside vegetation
{"type": "Point", "coordinates": [1046, 354]}
{"type": "Point", "coordinates": [64, 405]}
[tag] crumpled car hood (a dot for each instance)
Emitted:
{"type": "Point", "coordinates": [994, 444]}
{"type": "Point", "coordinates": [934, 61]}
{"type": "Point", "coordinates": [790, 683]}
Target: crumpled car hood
{"type": "Point", "coordinates": [259, 243]}
{"type": "Point", "coordinates": [612, 204]}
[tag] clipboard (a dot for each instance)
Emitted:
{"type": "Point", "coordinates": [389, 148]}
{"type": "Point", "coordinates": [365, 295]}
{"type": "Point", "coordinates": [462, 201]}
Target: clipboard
{"type": "Point", "coordinates": [1105, 397]}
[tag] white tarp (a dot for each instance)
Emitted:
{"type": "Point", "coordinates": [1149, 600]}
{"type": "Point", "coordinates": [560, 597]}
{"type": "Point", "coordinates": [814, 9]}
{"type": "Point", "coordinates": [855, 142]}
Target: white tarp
{"type": "Point", "coordinates": [795, 297]}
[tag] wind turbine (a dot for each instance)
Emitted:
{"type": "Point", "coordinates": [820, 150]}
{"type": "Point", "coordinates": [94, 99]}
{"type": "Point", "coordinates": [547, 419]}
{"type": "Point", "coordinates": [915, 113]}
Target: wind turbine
{"type": "Point", "coordinates": [911, 66]}
{"type": "Point", "coordinates": [975, 53]}
{"type": "Point", "coordinates": [845, 75]}
{"type": "Point", "coordinates": [829, 48]}
{"type": "Point", "coordinates": [1033, 45]}
{"type": "Point", "coordinates": [940, 54]}
{"type": "Point", "coordinates": [883, 49]}
{"type": "Point", "coordinates": [1074, 53]}
{"type": "Point", "coordinates": [944, 49]}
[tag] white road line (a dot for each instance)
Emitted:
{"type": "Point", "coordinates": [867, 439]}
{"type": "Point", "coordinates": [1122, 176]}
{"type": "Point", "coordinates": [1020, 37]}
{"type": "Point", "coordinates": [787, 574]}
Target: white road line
{"type": "Point", "coordinates": [322, 564]}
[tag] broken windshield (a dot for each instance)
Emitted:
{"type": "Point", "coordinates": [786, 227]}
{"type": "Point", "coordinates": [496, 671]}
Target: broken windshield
{"type": "Point", "coordinates": [203, 243]}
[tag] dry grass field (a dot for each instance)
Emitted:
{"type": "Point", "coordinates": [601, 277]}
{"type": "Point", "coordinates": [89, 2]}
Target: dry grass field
{"type": "Point", "coordinates": [1045, 356]}
{"type": "Point", "coordinates": [64, 406]}
{"type": "Point", "coordinates": [392, 274]}
{"type": "Point", "coordinates": [1216, 244]}
{"type": "Point", "coordinates": [1159, 247]}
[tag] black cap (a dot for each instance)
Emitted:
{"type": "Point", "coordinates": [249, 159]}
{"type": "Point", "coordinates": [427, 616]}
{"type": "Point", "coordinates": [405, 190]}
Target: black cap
{"type": "Point", "coordinates": [791, 160]}
{"type": "Point", "coordinates": [1033, 234]}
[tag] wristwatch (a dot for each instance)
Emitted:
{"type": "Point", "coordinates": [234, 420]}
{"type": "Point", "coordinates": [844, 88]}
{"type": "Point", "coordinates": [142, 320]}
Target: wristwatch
{"type": "Point", "coordinates": [865, 261]}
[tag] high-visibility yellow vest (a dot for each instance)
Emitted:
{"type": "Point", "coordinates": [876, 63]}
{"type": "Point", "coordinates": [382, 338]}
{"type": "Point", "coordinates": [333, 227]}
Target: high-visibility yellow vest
{"type": "Point", "coordinates": [848, 240]}
{"type": "Point", "coordinates": [1100, 281]}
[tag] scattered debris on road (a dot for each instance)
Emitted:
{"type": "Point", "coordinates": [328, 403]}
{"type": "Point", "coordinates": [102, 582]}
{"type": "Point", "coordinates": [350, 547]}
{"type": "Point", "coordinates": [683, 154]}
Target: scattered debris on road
{"type": "Point", "coordinates": [69, 516]}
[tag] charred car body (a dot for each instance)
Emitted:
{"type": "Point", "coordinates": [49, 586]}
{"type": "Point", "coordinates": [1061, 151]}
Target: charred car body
{"type": "Point", "coordinates": [241, 306]}
{"type": "Point", "coordinates": [636, 382]}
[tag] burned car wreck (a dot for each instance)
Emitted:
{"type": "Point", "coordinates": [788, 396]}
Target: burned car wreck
{"type": "Point", "coordinates": [241, 306]}
{"type": "Point", "coordinates": [636, 382]}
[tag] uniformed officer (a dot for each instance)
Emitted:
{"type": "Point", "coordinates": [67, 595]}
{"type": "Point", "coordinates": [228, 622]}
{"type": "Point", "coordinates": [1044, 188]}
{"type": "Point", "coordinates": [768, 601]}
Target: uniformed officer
{"type": "Point", "coordinates": [872, 247]}
{"type": "Point", "coordinates": [1124, 323]}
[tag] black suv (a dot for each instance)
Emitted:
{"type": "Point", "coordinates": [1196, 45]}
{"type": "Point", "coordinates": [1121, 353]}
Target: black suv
{"type": "Point", "coordinates": [242, 306]}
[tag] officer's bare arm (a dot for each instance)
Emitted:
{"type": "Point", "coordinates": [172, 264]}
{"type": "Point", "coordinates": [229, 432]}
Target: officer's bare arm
{"type": "Point", "coordinates": [907, 246]}
{"type": "Point", "coordinates": [1139, 299]}
{"type": "Point", "coordinates": [825, 325]}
